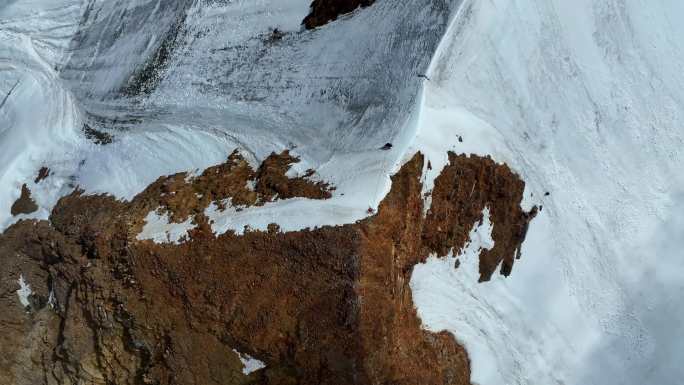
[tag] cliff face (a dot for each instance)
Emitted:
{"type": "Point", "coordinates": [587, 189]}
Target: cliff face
{"type": "Point", "coordinates": [330, 305]}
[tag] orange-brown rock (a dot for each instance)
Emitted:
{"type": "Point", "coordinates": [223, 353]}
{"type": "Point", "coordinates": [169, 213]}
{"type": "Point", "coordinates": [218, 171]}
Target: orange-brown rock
{"type": "Point", "coordinates": [24, 204]}
{"type": "Point", "coordinates": [183, 195]}
{"type": "Point", "coordinates": [461, 192]}
{"type": "Point", "coordinates": [330, 305]}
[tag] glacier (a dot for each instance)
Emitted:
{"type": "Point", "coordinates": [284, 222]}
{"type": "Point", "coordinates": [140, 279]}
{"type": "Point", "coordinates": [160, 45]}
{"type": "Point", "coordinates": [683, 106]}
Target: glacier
{"type": "Point", "coordinates": [583, 99]}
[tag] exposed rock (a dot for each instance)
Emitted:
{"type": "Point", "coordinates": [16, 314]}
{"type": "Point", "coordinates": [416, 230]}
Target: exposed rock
{"type": "Point", "coordinates": [330, 305]}
{"type": "Point", "coordinates": [43, 173]}
{"type": "Point", "coordinates": [147, 78]}
{"type": "Point", "coordinates": [24, 204]}
{"type": "Point", "coordinates": [461, 192]}
{"type": "Point", "coordinates": [272, 182]}
{"type": "Point", "coordinates": [96, 136]}
{"type": "Point", "coordinates": [325, 11]}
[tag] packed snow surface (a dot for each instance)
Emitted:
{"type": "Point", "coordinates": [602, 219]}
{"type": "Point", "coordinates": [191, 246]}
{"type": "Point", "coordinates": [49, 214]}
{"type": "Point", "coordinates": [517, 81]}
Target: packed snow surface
{"type": "Point", "coordinates": [583, 99]}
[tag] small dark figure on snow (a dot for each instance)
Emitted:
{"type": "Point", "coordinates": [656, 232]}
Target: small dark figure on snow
{"type": "Point", "coordinates": [277, 34]}
{"type": "Point", "coordinates": [387, 146]}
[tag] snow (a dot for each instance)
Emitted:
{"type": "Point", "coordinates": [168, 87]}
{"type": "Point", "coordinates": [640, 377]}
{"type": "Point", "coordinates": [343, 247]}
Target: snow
{"type": "Point", "coordinates": [158, 228]}
{"type": "Point", "coordinates": [36, 122]}
{"type": "Point", "coordinates": [24, 292]}
{"type": "Point", "coordinates": [250, 364]}
{"type": "Point", "coordinates": [583, 99]}
{"type": "Point", "coordinates": [437, 285]}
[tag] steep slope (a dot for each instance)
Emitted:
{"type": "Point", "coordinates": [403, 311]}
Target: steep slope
{"type": "Point", "coordinates": [211, 87]}
{"type": "Point", "coordinates": [581, 100]}
{"type": "Point", "coordinates": [584, 101]}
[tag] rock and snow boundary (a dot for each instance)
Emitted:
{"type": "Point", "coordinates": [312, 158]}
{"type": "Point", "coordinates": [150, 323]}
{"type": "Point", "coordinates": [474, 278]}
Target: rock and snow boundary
{"type": "Point", "coordinates": [585, 107]}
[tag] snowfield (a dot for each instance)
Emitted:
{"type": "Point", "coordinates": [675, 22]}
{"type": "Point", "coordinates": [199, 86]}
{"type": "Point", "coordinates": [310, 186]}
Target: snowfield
{"type": "Point", "coordinates": [583, 99]}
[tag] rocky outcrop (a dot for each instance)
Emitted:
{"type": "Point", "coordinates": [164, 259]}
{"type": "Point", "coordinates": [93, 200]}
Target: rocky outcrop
{"type": "Point", "coordinates": [24, 204]}
{"type": "Point", "coordinates": [325, 11]}
{"type": "Point", "coordinates": [43, 173]}
{"type": "Point", "coordinates": [330, 305]}
{"type": "Point", "coordinates": [461, 192]}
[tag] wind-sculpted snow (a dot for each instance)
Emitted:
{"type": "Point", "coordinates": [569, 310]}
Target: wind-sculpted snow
{"type": "Point", "coordinates": [584, 100]}
{"type": "Point", "coordinates": [39, 117]}
{"type": "Point", "coordinates": [179, 84]}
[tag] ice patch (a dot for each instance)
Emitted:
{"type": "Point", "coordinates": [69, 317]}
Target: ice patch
{"type": "Point", "coordinates": [250, 364]}
{"type": "Point", "coordinates": [160, 230]}
{"type": "Point", "coordinates": [24, 291]}
{"type": "Point", "coordinates": [52, 301]}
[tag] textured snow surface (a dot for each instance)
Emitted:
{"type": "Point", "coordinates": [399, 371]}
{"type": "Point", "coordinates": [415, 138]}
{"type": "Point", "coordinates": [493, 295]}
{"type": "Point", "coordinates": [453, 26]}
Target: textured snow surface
{"type": "Point", "coordinates": [583, 99]}
{"type": "Point", "coordinates": [226, 86]}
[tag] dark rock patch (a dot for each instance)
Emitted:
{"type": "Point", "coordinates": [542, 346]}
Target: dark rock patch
{"type": "Point", "coordinates": [25, 204]}
{"type": "Point", "coordinates": [43, 173]}
{"type": "Point", "coordinates": [96, 136]}
{"type": "Point", "coordinates": [325, 11]}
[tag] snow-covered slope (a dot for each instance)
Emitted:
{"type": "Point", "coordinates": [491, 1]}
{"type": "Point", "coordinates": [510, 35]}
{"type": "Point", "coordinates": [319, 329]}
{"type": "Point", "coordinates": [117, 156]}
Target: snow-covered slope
{"type": "Point", "coordinates": [583, 99]}
{"type": "Point", "coordinates": [39, 118]}
{"type": "Point", "coordinates": [335, 94]}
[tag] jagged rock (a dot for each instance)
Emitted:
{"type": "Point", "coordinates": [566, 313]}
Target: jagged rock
{"type": "Point", "coordinates": [24, 204]}
{"type": "Point", "coordinates": [330, 305]}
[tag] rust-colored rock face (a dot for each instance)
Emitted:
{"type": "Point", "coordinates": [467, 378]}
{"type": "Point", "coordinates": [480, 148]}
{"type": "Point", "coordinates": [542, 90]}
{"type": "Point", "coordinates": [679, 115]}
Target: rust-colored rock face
{"type": "Point", "coordinates": [183, 195]}
{"type": "Point", "coordinates": [324, 11]}
{"type": "Point", "coordinates": [461, 193]}
{"type": "Point", "coordinates": [24, 204]}
{"type": "Point", "coordinates": [330, 305]}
